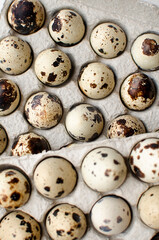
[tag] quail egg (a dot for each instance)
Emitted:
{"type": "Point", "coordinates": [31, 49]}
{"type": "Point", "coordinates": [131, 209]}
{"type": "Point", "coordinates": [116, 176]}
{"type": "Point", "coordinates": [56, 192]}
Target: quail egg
{"type": "Point", "coordinates": [145, 51]}
{"type": "Point", "coordinates": [26, 16]}
{"type": "Point", "coordinates": [66, 222]}
{"type": "Point", "coordinates": [125, 126]}
{"type": "Point", "coordinates": [108, 40]}
{"type": "Point", "coordinates": [96, 80]}
{"type": "Point", "coordinates": [55, 177]}
{"type": "Point", "coordinates": [29, 143]}
{"type": "Point", "coordinates": [67, 27]}
{"type": "Point", "coordinates": [148, 207]}
{"type": "Point", "coordinates": [156, 237]}
{"type": "Point", "coordinates": [111, 215]}
{"type": "Point", "coordinates": [144, 160]}
{"type": "Point", "coordinates": [43, 110]}
{"type": "Point", "coordinates": [3, 139]}
{"type": "Point", "coordinates": [15, 188]}
{"type": "Point", "coordinates": [138, 92]}
{"type": "Point", "coordinates": [52, 67]}
{"type": "Point", "coordinates": [15, 55]}
{"type": "Point", "coordinates": [9, 97]}
{"type": "Point", "coordinates": [19, 225]}
{"type": "Point", "coordinates": [103, 169]}
{"type": "Point", "coordinates": [84, 122]}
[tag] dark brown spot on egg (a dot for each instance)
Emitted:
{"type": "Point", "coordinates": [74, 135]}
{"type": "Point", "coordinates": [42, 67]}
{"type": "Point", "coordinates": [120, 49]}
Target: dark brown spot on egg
{"type": "Point", "coordinates": [93, 137]}
{"type": "Point", "coordinates": [105, 85]}
{"type": "Point", "coordinates": [24, 17]}
{"type": "Point", "coordinates": [52, 77]}
{"type": "Point", "coordinates": [104, 155]}
{"type": "Point", "coordinates": [73, 13]}
{"type": "Point", "coordinates": [37, 145]}
{"type": "Point", "coordinates": [93, 85]}
{"type": "Point", "coordinates": [150, 47]}
{"type": "Point", "coordinates": [59, 181]}
{"type": "Point", "coordinates": [105, 228]}
{"type": "Point", "coordinates": [121, 122]}
{"type": "Point", "coordinates": [138, 172]}
{"type": "Point", "coordinates": [116, 178]}
{"type": "Point", "coordinates": [152, 146]}
{"type": "Point", "coordinates": [126, 131]}
{"type": "Point", "coordinates": [59, 194]}
{"type": "Point", "coordinates": [58, 61]}
{"type": "Point", "coordinates": [15, 196]}
{"type": "Point", "coordinates": [64, 73]}
{"type": "Point", "coordinates": [13, 181]}
{"type": "Point", "coordinates": [57, 24]}
{"type": "Point", "coordinates": [19, 216]}
{"type": "Point", "coordinates": [119, 219]}
{"type": "Point", "coordinates": [60, 232]}
{"type": "Point", "coordinates": [140, 85]}
{"type": "Point", "coordinates": [116, 162]}
{"type": "Point", "coordinates": [76, 217]}
{"type": "Point", "coordinates": [9, 173]}
{"type": "Point", "coordinates": [36, 101]}
{"type": "Point", "coordinates": [43, 74]}
{"type": "Point", "coordinates": [91, 109]}
{"type": "Point", "coordinates": [136, 147]}
{"type": "Point", "coordinates": [55, 213]}
{"type": "Point", "coordinates": [47, 189]}
{"type": "Point", "coordinates": [97, 118]}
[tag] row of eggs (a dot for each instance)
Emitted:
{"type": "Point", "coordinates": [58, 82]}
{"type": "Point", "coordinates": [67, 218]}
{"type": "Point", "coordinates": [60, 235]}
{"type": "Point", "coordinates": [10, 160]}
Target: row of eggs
{"type": "Point", "coordinates": [103, 169]}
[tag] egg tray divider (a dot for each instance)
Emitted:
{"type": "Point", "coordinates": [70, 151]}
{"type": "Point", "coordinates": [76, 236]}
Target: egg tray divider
{"type": "Point", "coordinates": [142, 18]}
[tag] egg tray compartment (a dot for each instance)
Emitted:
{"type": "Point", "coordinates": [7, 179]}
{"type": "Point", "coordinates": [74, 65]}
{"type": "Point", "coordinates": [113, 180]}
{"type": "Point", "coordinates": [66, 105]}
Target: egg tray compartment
{"type": "Point", "coordinates": [81, 54]}
{"type": "Point", "coordinates": [119, 12]}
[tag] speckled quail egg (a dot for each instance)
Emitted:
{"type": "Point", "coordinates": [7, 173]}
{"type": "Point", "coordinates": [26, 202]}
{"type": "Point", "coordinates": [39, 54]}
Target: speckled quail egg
{"type": "Point", "coordinates": [15, 55]}
{"type": "Point", "coordinates": [125, 126]}
{"type": "Point", "coordinates": [66, 222]}
{"type": "Point", "coordinates": [103, 169]}
{"type": "Point", "coordinates": [67, 27]}
{"type": "Point", "coordinates": [26, 16]}
{"type": "Point", "coordinates": [148, 207]}
{"type": "Point", "coordinates": [108, 40]}
{"type": "Point", "coordinates": [9, 97]}
{"type": "Point", "coordinates": [84, 122]}
{"type": "Point", "coordinates": [43, 110]}
{"type": "Point", "coordinates": [156, 237]}
{"type": "Point", "coordinates": [138, 92]}
{"type": "Point", "coordinates": [29, 143]}
{"type": "Point", "coordinates": [15, 188]}
{"type": "Point", "coordinates": [145, 51]}
{"type": "Point", "coordinates": [96, 80]}
{"type": "Point", "coordinates": [19, 225]}
{"type": "Point", "coordinates": [3, 139]}
{"type": "Point", "coordinates": [144, 160]}
{"type": "Point", "coordinates": [55, 177]}
{"type": "Point", "coordinates": [52, 67]}
{"type": "Point", "coordinates": [111, 215]}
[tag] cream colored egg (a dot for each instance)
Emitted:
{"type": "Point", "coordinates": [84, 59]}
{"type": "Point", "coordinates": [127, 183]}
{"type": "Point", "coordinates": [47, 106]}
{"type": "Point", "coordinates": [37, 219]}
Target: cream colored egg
{"type": "Point", "coordinates": [55, 177]}
{"type": "Point", "coordinates": [125, 126]}
{"type": "Point", "coordinates": [111, 215]}
{"type": "Point", "coordinates": [67, 27]}
{"type": "Point", "coordinates": [15, 55]}
{"type": "Point", "coordinates": [26, 17]}
{"type": "Point", "coordinates": [96, 80]}
{"type": "Point", "coordinates": [148, 207]}
{"type": "Point", "coordinates": [138, 92]}
{"type": "Point", "coordinates": [145, 51]}
{"type": "Point", "coordinates": [3, 139]}
{"type": "Point", "coordinates": [9, 97]}
{"type": "Point", "coordinates": [144, 160]}
{"type": "Point", "coordinates": [52, 67]}
{"type": "Point", "coordinates": [108, 40]}
{"type": "Point", "coordinates": [14, 188]}
{"type": "Point", "coordinates": [19, 225]}
{"type": "Point", "coordinates": [103, 169]}
{"type": "Point", "coordinates": [84, 122]}
{"type": "Point", "coordinates": [43, 110]}
{"type": "Point", "coordinates": [66, 222]}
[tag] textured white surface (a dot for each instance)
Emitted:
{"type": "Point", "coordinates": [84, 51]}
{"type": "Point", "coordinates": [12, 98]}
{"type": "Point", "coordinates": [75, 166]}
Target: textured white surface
{"type": "Point", "coordinates": [134, 17]}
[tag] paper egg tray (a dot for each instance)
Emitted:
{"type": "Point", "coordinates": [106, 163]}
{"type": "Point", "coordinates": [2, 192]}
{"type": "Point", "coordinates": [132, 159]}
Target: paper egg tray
{"type": "Point", "coordinates": [134, 17]}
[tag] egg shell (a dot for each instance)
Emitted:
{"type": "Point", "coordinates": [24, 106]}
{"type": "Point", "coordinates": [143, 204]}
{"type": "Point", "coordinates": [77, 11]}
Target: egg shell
{"type": "Point", "coordinates": [3, 139]}
{"type": "Point", "coordinates": [27, 16]}
{"type": "Point", "coordinates": [138, 92]}
{"type": "Point", "coordinates": [144, 160]}
{"type": "Point", "coordinates": [19, 225]}
{"type": "Point", "coordinates": [148, 207]}
{"type": "Point", "coordinates": [43, 110]}
{"type": "Point", "coordinates": [125, 126]}
{"type": "Point", "coordinates": [103, 169]}
{"type": "Point", "coordinates": [108, 40]}
{"type": "Point", "coordinates": [156, 237]}
{"type": "Point", "coordinates": [84, 122]}
{"type": "Point", "coordinates": [52, 67]}
{"type": "Point", "coordinates": [96, 80]}
{"type": "Point", "coordinates": [55, 177]}
{"type": "Point", "coordinates": [145, 53]}
{"type": "Point", "coordinates": [66, 222]}
{"type": "Point", "coordinates": [9, 97]}
{"type": "Point", "coordinates": [16, 55]}
{"type": "Point", "coordinates": [111, 215]}
{"type": "Point", "coordinates": [67, 27]}
{"type": "Point", "coordinates": [15, 188]}
{"type": "Point", "coordinates": [29, 143]}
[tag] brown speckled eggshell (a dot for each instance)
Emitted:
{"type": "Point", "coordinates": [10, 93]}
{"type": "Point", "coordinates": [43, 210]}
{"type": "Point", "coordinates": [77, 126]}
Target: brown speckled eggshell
{"type": "Point", "coordinates": [26, 16]}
